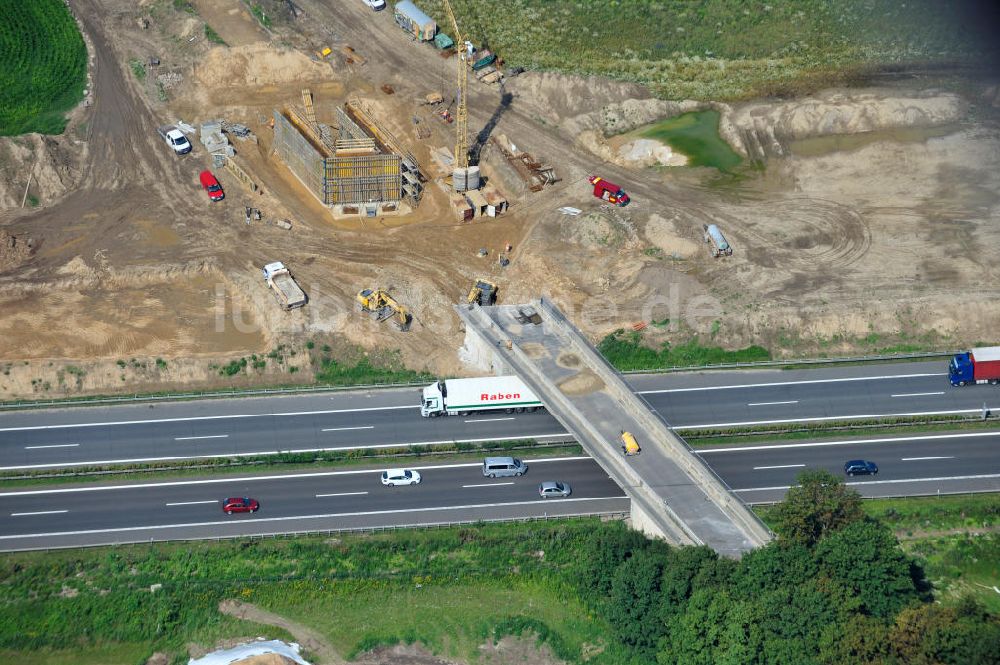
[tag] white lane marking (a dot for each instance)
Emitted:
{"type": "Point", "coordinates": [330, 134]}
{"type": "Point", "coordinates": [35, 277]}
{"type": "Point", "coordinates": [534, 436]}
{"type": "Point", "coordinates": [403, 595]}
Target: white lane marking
{"type": "Point", "coordinates": [319, 496]}
{"type": "Point", "coordinates": [57, 445]}
{"type": "Point", "coordinates": [787, 383]}
{"type": "Point", "coordinates": [191, 503]}
{"type": "Point", "coordinates": [780, 466]}
{"type": "Point", "coordinates": [791, 401]}
{"type": "Point", "coordinates": [195, 418]}
{"type": "Point", "coordinates": [341, 429]}
{"type": "Point", "coordinates": [489, 420]}
{"type": "Point", "coordinates": [40, 512]}
{"type": "Point", "coordinates": [847, 442]}
{"type": "Point", "coordinates": [168, 458]}
{"type": "Point", "coordinates": [827, 418]}
{"type": "Point", "coordinates": [920, 459]}
{"type": "Point", "coordinates": [489, 484]}
{"type": "Point", "coordinates": [312, 517]}
{"type": "Point", "coordinates": [917, 394]}
{"type": "Point", "coordinates": [316, 474]}
{"type": "Point", "coordinates": [209, 436]}
{"type": "Point", "coordinates": [881, 482]}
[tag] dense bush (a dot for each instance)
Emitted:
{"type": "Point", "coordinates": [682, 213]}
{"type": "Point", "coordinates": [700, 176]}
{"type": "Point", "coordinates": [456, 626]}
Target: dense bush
{"type": "Point", "coordinates": [835, 588]}
{"type": "Point", "coordinates": [43, 66]}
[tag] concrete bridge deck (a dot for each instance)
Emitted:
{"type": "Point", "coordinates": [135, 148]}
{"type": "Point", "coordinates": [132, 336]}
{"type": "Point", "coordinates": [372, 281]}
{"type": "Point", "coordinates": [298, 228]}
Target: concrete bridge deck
{"type": "Point", "coordinates": [674, 494]}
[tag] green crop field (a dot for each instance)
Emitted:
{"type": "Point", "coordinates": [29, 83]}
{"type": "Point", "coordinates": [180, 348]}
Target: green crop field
{"type": "Point", "coordinates": [720, 49]}
{"type": "Point", "coordinates": [43, 66]}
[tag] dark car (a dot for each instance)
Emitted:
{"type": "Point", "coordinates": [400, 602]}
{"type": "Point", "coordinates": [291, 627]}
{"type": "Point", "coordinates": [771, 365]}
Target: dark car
{"type": "Point", "coordinates": [239, 504]}
{"type": "Point", "coordinates": [212, 186]}
{"type": "Point", "coordinates": [860, 467]}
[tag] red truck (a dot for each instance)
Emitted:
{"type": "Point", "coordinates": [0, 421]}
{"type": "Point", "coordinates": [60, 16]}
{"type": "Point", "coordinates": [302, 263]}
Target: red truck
{"type": "Point", "coordinates": [977, 366]}
{"type": "Point", "coordinates": [608, 191]}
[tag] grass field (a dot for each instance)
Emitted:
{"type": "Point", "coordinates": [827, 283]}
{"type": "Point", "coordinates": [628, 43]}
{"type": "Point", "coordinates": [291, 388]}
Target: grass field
{"type": "Point", "coordinates": [43, 66]}
{"type": "Point", "coordinates": [720, 49]}
{"type": "Point", "coordinates": [449, 589]}
{"type": "Point", "coordinates": [961, 564]}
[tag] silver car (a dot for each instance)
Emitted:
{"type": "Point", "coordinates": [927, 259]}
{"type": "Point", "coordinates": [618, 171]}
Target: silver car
{"type": "Point", "coordinates": [553, 488]}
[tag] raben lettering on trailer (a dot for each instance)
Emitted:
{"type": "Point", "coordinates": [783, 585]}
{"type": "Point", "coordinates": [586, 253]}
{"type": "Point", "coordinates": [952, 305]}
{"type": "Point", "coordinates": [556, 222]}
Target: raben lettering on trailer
{"type": "Point", "coordinates": [486, 397]}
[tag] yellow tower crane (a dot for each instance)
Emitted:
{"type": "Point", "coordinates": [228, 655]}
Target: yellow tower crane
{"type": "Point", "coordinates": [462, 114]}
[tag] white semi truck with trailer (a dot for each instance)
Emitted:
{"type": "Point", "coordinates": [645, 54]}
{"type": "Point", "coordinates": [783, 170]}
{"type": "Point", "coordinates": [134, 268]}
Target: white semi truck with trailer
{"type": "Point", "coordinates": [464, 396]}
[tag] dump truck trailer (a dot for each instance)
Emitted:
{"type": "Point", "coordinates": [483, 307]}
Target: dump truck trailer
{"type": "Point", "coordinates": [463, 396]}
{"type": "Point", "coordinates": [976, 366]}
{"type": "Point", "coordinates": [282, 284]}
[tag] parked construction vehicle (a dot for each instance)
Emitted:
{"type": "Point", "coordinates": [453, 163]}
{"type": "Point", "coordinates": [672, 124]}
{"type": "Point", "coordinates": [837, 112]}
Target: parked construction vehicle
{"type": "Point", "coordinates": [608, 191]}
{"type": "Point", "coordinates": [286, 291]}
{"type": "Point", "coordinates": [719, 246]}
{"type": "Point", "coordinates": [174, 138]}
{"type": "Point", "coordinates": [382, 306]}
{"type": "Point", "coordinates": [483, 293]}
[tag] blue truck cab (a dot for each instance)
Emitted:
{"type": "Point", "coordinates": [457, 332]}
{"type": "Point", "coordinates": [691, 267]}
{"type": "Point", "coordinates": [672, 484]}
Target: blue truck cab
{"type": "Point", "coordinates": [960, 369]}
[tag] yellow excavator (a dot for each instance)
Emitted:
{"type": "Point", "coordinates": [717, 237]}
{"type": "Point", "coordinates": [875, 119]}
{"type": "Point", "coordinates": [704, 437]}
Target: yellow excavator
{"type": "Point", "coordinates": [483, 293]}
{"type": "Point", "coordinates": [382, 306]}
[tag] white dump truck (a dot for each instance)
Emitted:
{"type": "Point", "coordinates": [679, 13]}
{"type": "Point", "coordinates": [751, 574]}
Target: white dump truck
{"type": "Point", "coordinates": [175, 139]}
{"type": "Point", "coordinates": [463, 396]}
{"type": "Point", "coordinates": [282, 284]}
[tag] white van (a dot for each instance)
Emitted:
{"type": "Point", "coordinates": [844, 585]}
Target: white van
{"type": "Point", "coordinates": [500, 467]}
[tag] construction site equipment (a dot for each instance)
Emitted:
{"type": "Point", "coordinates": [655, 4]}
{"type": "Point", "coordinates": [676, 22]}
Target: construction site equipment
{"type": "Point", "coordinates": [462, 111]}
{"type": "Point", "coordinates": [351, 56]}
{"type": "Point", "coordinates": [409, 17]}
{"type": "Point", "coordinates": [282, 284]}
{"type": "Point", "coordinates": [608, 191]}
{"type": "Point", "coordinates": [433, 98]}
{"type": "Point", "coordinates": [382, 306]}
{"type": "Point", "coordinates": [483, 293]}
{"type": "Point", "coordinates": [719, 245]}
{"type": "Point", "coordinates": [533, 173]}
{"type": "Point", "coordinates": [443, 41]}
{"type": "Point", "coordinates": [483, 59]}
{"type": "Point", "coordinates": [466, 179]}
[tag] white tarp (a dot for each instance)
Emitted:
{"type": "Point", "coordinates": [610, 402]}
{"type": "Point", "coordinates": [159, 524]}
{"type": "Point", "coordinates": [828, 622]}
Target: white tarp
{"type": "Point", "coordinates": [227, 656]}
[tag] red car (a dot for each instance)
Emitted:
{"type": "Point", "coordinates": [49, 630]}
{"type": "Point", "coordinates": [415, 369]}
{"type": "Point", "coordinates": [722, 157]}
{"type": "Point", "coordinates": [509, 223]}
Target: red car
{"type": "Point", "coordinates": [240, 505]}
{"type": "Point", "coordinates": [212, 186]}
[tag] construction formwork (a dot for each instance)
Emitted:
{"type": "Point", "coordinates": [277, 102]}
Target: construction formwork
{"type": "Point", "coordinates": [304, 158]}
{"type": "Point", "coordinates": [367, 183]}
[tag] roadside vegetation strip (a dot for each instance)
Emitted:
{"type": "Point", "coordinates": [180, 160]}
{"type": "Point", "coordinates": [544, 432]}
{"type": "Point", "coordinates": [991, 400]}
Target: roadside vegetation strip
{"type": "Point", "coordinates": [816, 430]}
{"type": "Point", "coordinates": [572, 584]}
{"type": "Point", "coordinates": [401, 456]}
{"type": "Point", "coordinates": [911, 516]}
{"type": "Point", "coordinates": [721, 49]}
{"type": "Point", "coordinates": [628, 351]}
{"type": "Point", "coordinates": [43, 66]}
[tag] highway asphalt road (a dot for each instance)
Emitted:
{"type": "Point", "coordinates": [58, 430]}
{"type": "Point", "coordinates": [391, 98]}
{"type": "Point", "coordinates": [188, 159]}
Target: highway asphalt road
{"type": "Point", "coordinates": [49, 438]}
{"type": "Point", "coordinates": [316, 501]}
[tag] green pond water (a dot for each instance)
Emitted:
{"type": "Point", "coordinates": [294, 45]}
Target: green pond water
{"type": "Point", "coordinates": [696, 135]}
{"type": "Point", "coordinates": [824, 145]}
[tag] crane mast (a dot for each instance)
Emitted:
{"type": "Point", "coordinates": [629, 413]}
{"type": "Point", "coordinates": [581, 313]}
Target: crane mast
{"type": "Point", "coordinates": [462, 113]}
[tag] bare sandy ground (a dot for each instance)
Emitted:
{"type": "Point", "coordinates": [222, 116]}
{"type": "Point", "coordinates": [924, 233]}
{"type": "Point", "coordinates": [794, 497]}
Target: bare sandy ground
{"type": "Point", "coordinates": [130, 260]}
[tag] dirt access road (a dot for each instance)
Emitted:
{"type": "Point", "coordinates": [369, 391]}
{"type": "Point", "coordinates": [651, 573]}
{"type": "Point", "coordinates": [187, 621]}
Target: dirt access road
{"type": "Point", "coordinates": [887, 238]}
